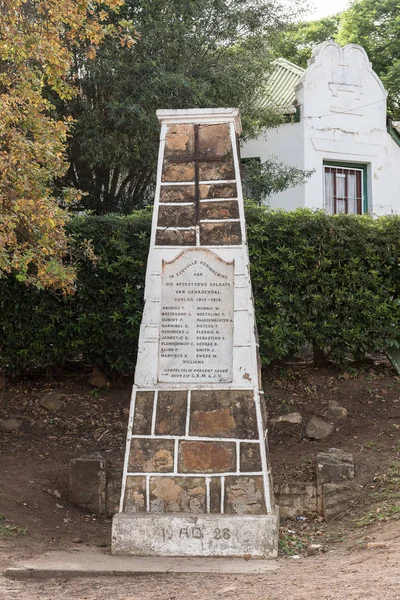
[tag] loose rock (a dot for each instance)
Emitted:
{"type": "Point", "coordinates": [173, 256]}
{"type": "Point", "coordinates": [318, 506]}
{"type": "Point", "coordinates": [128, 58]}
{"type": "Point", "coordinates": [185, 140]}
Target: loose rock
{"type": "Point", "coordinates": [318, 429]}
{"type": "Point", "coordinates": [11, 424]}
{"type": "Point", "coordinates": [98, 379]}
{"type": "Point", "coordinates": [334, 412]}
{"type": "Point", "coordinates": [292, 418]}
{"type": "Point", "coordinates": [52, 401]}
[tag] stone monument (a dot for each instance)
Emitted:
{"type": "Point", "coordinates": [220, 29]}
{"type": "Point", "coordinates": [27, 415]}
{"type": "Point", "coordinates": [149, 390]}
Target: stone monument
{"type": "Point", "coordinates": [196, 478]}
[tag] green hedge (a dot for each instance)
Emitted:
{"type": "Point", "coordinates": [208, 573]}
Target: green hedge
{"type": "Point", "coordinates": [332, 281]}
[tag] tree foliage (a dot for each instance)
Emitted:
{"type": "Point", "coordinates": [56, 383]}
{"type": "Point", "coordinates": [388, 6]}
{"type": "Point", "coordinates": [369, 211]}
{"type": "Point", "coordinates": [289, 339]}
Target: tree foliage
{"type": "Point", "coordinates": [190, 54]}
{"type": "Point", "coordinates": [36, 37]}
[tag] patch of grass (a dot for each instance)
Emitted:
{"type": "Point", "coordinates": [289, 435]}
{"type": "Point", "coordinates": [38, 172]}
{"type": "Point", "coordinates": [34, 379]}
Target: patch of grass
{"type": "Point", "coordinates": [7, 530]}
{"type": "Point", "coordinates": [386, 501]}
{"type": "Point", "coordinates": [371, 445]}
{"type": "Point", "coordinates": [292, 543]}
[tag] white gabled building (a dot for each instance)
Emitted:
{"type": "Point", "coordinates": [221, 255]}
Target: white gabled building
{"type": "Point", "coordinates": [338, 129]}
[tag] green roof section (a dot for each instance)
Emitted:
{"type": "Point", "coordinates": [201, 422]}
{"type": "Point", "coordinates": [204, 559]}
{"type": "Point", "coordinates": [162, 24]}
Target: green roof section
{"type": "Point", "coordinates": [281, 88]}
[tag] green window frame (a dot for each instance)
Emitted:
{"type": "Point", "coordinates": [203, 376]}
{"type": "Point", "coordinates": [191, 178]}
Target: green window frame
{"type": "Point", "coordinates": [361, 167]}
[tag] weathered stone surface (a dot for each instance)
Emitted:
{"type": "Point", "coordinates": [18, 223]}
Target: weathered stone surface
{"type": "Point", "coordinates": [10, 424]}
{"type": "Point", "coordinates": [227, 209]}
{"type": "Point", "coordinates": [218, 190]}
{"type": "Point", "coordinates": [334, 466]}
{"type": "Point", "coordinates": [135, 495]}
{"type": "Point", "coordinates": [171, 413]}
{"type": "Point", "coordinates": [113, 490]}
{"type": "Point", "coordinates": [214, 141]}
{"type": "Point", "coordinates": [215, 495]}
{"type": "Point", "coordinates": [318, 429]}
{"type": "Point", "coordinates": [211, 171]}
{"type": "Point", "coordinates": [197, 535]}
{"type": "Point", "coordinates": [176, 237]}
{"type": "Point", "coordinates": [334, 412]}
{"type": "Point", "coordinates": [178, 494]}
{"type": "Point", "coordinates": [335, 499]}
{"type": "Point", "coordinates": [143, 413]}
{"type": "Point", "coordinates": [151, 456]}
{"type": "Point", "coordinates": [172, 216]}
{"type": "Point", "coordinates": [98, 379]}
{"type": "Point", "coordinates": [220, 234]}
{"type": "Point", "coordinates": [178, 171]}
{"type": "Point", "coordinates": [207, 457]}
{"type": "Point", "coordinates": [2, 382]}
{"type": "Point", "coordinates": [297, 498]}
{"type": "Point", "coordinates": [177, 193]}
{"type": "Point", "coordinates": [179, 141]}
{"type": "Point", "coordinates": [87, 482]}
{"type": "Point", "coordinates": [291, 418]}
{"type": "Point", "coordinates": [223, 413]}
{"type": "Point", "coordinates": [244, 495]}
{"type": "Point", "coordinates": [250, 457]}
{"type": "Point", "coordinates": [52, 401]}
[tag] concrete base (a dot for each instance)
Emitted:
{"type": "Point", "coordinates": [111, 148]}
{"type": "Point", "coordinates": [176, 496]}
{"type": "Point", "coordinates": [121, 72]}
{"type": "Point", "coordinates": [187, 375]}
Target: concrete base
{"type": "Point", "coordinates": [92, 562]}
{"type": "Point", "coordinates": [195, 535]}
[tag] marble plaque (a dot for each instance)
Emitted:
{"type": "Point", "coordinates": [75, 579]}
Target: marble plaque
{"type": "Point", "coordinates": [196, 327]}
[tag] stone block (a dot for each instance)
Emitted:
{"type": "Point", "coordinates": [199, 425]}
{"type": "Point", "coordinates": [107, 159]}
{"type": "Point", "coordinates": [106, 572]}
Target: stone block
{"type": "Point", "coordinates": [151, 456]}
{"type": "Point", "coordinates": [318, 429]}
{"type": "Point", "coordinates": [175, 237]}
{"type": "Point", "coordinates": [211, 171]}
{"type": "Point", "coordinates": [178, 494]}
{"type": "Point", "coordinates": [220, 234]}
{"type": "Point", "coordinates": [335, 499]}
{"type": "Point", "coordinates": [215, 495]}
{"type": "Point", "coordinates": [196, 535]}
{"type": "Point", "coordinates": [143, 413]}
{"type": "Point", "coordinates": [296, 499]}
{"type": "Point", "coordinates": [290, 418]}
{"type": "Point", "coordinates": [223, 413]}
{"type": "Point", "coordinates": [172, 216]}
{"type": "Point", "coordinates": [179, 141]}
{"type": "Point", "coordinates": [227, 209]}
{"type": "Point", "coordinates": [171, 413]}
{"type": "Point", "coordinates": [244, 495]}
{"type": "Point", "coordinates": [207, 457]}
{"type": "Point", "coordinates": [177, 193]}
{"type": "Point", "coordinates": [135, 495]}
{"type": "Point", "coordinates": [214, 141]}
{"type": "Point", "coordinates": [113, 490]}
{"type": "Point", "coordinates": [178, 171]}
{"type": "Point", "coordinates": [87, 483]}
{"type": "Point", "coordinates": [218, 190]}
{"type": "Point", "coordinates": [250, 457]}
{"type": "Point", "coordinates": [334, 466]}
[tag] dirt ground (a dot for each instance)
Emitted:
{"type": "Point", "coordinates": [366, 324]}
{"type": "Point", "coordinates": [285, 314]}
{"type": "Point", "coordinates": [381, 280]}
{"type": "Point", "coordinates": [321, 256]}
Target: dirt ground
{"type": "Point", "coordinates": [37, 517]}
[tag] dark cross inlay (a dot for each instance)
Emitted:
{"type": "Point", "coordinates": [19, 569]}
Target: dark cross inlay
{"type": "Point", "coordinates": [197, 159]}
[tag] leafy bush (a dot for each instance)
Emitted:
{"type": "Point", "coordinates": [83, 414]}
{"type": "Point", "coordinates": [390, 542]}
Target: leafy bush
{"type": "Point", "coordinates": [333, 281]}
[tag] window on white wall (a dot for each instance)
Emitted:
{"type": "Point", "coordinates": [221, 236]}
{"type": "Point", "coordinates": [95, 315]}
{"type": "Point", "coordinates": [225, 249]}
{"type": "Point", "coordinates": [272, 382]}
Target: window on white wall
{"type": "Point", "coordinates": [344, 190]}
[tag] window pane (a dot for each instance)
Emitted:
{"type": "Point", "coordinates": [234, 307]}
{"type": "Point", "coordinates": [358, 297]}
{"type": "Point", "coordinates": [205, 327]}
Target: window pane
{"type": "Point", "coordinates": [340, 185]}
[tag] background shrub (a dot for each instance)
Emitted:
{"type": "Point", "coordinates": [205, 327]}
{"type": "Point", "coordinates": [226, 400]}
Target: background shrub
{"type": "Point", "coordinates": [332, 281]}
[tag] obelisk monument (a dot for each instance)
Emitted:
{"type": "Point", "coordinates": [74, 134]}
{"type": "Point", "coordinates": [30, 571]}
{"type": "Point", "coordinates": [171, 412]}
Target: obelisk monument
{"type": "Point", "coordinates": [196, 478]}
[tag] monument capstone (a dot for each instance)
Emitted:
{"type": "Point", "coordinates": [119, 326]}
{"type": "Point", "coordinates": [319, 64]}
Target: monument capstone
{"type": "Point", "coordinates": [196, 478]}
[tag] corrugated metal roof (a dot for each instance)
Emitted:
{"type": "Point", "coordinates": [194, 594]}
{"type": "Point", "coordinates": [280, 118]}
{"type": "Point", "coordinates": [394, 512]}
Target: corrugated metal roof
{"type": "Point", "coordinates": [280, 90]}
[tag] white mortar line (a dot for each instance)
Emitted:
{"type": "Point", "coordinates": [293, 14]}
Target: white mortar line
{"type": "Point", "coordinates": [218, 200]}
{"type": "Point", "coordinates": [163, 134]}
{"type": "Point", "coordinates": [178, 229]}
{"type": "Point", "coordinates": [222, 494]}
{"type": "Point", "coordinates": [211, 475]}
{"type": "Point", "coordinates": [208, 481]}
{"type": "Point", "coordinates": [176, 183]}
{"type": "Point", "coordinates": [153, 416]}
{"type": "Point", "coordinates": [192, 438]}
{"type": "Point", "coordinates": [187, 425]}
{"type": "Point", "coordinates": [236, 151]}
{"type": "Point", "coordinates": [219, 221]}
{"type": "Point", "coordinates": [148, 493]}
{"type": "Point", "coordinates": [127, 447]}
{"type": "Point", "coordinates": [176, 445]}
{"type": "Point", "coordinates": [197, 235]}
{"type": "Point", "coordinates": [205, 182]}
{"type": "Point", "coordinates": [237, 456]}
{"type": "Point", "coordinates": [263, 453]}
{"type": "Point", "coordinates": [214, 181]}
{"type": "Point", "coordinates": [176, 204]}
